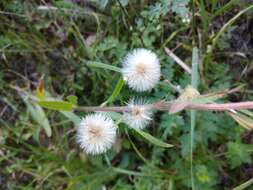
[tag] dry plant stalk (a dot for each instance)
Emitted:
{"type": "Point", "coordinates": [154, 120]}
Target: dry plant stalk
{"type": "Point", "coordinates": [165, 106]}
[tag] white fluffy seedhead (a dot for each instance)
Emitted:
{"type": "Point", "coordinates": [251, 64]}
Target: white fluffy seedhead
{"type": "Point", "coordinates": [141, 69]}
{"type": "Point", "coordinates": [139, 116]}
{"type": "Point", "coordinates": [96, 133]}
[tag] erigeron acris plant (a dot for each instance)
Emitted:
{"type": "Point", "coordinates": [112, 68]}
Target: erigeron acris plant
{"type": "Point", "coordinates": [141, 71]}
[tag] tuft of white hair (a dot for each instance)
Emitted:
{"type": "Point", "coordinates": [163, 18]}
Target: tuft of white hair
{"type": "Point", "coordinates": [139, 115]}
{"type": "Point", "coordinates": [96, 133]}
{"type": "Point", "coordinates": [141, 69]}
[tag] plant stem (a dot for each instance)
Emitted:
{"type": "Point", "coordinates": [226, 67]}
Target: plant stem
{"type": "Point", "coordinates": [178, 60]}
{"type": "Point", "coordinates": [165, 106]}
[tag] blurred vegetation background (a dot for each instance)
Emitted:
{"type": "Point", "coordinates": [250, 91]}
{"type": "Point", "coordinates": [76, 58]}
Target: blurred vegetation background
{"type": "Point", "coordinates": [55, 39]}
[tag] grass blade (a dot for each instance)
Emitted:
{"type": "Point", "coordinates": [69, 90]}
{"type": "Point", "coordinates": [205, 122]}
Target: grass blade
{"type": "Point", "coordinates": [195, 63]}
{"type": "Point", "coordinates": [84, 50]}
{"type": "Point", "coordinates": [194, 83]}
{"type": "Point", "coordinates": [226, 26]}
{"type": "Point", "coordinates": [225, 8]}
{"type": "Point", "coordinates": [244, 185]}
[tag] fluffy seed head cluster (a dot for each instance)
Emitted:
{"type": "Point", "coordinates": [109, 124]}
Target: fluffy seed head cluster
{"type": "Point", "coordinates": [139, 116]}
{"type": "Point", "coordinates": [96, 133]}
{"type": "Point", "coordinates": [141, 69]}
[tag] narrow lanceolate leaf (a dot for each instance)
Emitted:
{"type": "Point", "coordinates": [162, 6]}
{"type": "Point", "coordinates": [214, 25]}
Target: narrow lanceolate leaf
{"type": "Point", "coordinates": [116, 91]}
{"type": "Point", "coordinates": [72, 117]}
{"type": "Point", "coordinates": [207, 98]}
{"type": "Point", "coordinates": [153, 140]}
{"type": "Point", "coordinates": [247, 112]}
{"type": "Point", "coordinates": [39, 116]}
{"type": "Point", "coordinates": [243, 120]}
{"type": "Point", "coordinates": [57, 105]}
{"type": "Point", "coordinates": [96, 64]}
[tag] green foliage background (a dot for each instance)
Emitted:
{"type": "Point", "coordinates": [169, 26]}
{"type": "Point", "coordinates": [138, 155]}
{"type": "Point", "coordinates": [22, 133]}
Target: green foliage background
{"type": "Point", "coordinates": [58, 44]}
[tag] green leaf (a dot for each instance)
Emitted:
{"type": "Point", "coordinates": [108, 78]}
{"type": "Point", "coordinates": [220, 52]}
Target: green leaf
{"type": "Point", "coordinates": [72, 117]}
{"type": "Point", "coordinates": [206, 176]}
{"type": "Point", "coordinates": [243, 120]}
{"type": "Point", "coordinates": [96, 64]}
{"type": "Point", "coordinates": [209, 98]}
{"type": "Point", "coordinates": [202, 174]}
{"type": "Point", "coordinates": [116, 91]}
{"type": "Point", "coordinates": [238, 154]}
{"type": "Point", "coordinates": [247, 112]}
{"type": "Point", "coordinates": [180, 8]}
{"type": "Point", "coordinates": [57, 105]}
{"type": "Point", "coordinates": [73, 99]}
{"type": "Point", "coordinates": [39, 116]}
{"type": "Point", "coordinates": [153, 140]}
{"type": "Point", "coordinates": [185, 145]}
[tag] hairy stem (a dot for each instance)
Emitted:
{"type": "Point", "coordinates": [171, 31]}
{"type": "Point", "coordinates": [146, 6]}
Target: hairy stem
{"type": "Point", "coordinates": [165, 106]}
